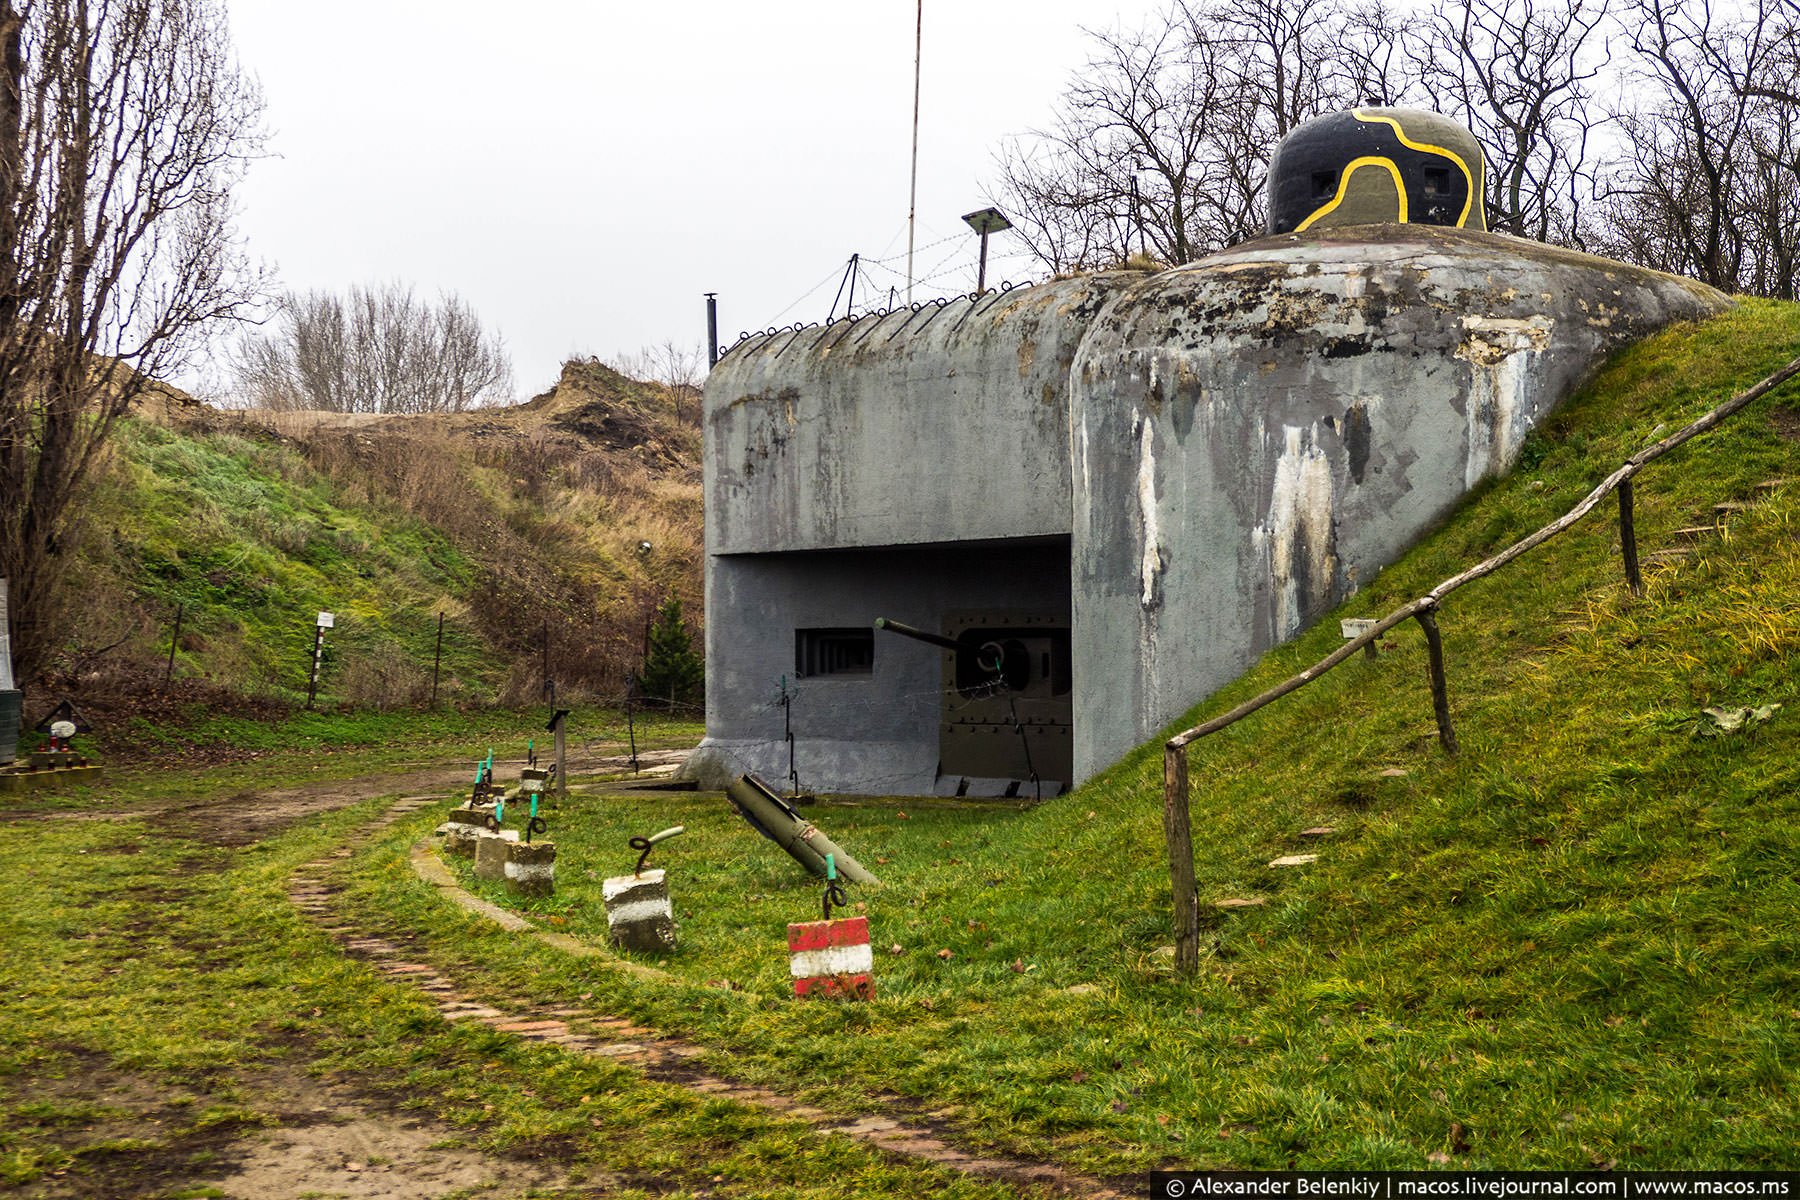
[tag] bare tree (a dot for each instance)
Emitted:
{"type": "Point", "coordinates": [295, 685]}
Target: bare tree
{"type": "Point", "coordinates": [1518, 73]}
{"type": "Point", "coordinates": [674, 366]}
{"type": "Point", "coordinates": [375, 350]}
{"type": "Point", "coordinates": [677, 368]}
{"type": "Point", "coordinates": [1122, 157]}
{"type": "Point", "coordinates": [1379, 55]}
{"type": "Point", "coordinates": [1774, 221]}
{"type": "Point", "coordinates": [1691, 164]}
{"type": "Point", "coordinates": [1162, 142]}
{"type": "Point", "coordinates": [1284, 63]}
{"type": "Point", "coordinates": [1710, 185]}
{"type": "Point", "coordinates": [123, 126]}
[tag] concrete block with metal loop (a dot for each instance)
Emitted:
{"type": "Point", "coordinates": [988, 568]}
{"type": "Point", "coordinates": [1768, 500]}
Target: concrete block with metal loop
{"type": "Point", "coordinates": [832, 957]}
{"type": "Point", "coordinates": [639, 915]}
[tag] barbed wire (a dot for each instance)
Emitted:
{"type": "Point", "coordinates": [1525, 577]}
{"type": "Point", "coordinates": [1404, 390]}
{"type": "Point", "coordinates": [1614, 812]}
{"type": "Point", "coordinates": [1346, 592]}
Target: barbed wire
{"type": "Point", "coordinates": [763, 335]}
{"type": "Point", "coordinates": [958, 260]}
{"type": "Point", "coordinates": [917, 250]}
{"type": "Point", "coordinates": [962, 264]}
{"type": "Point", "coordinates": [960, 256]}
{"type": "Point", "coordinates": [615, 733]}
{"type": "Point", "coordinates": [832, 274]}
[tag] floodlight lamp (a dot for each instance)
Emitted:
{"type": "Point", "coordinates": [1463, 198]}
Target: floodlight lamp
{"type": "Point", "coordinates": [988, 220]}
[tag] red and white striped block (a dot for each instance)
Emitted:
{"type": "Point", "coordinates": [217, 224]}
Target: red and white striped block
{"type": "Point", "coordinates": [832, 957]}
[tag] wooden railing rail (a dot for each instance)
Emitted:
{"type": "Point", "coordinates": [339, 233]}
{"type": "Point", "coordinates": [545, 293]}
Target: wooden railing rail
{"type": "Point", "coordinates": [1177, 828]}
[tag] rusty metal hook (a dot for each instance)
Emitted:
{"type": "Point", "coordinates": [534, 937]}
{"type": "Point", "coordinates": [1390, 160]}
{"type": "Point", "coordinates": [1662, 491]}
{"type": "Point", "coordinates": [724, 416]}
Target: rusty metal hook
{"type": "Point", "coordinates": [646, 843]}
{"type": "Point", "coordinates": [834, 895]}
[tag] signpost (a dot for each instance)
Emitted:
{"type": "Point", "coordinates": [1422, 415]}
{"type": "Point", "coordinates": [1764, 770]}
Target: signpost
{"type": "Point", "coordinates": [325, 621]}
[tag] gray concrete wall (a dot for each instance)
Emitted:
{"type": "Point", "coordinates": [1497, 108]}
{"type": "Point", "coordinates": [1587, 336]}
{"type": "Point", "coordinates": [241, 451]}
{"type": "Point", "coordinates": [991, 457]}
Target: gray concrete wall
{"type": "Point", "coordinates": [1257, 433]}
{"type": "Point", "coordinates": [876, 733]}
{"type": "Point", "coordinates": [948, 423]}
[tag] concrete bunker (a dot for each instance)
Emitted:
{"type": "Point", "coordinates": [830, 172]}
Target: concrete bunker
{"type": "Point", "coordinates": [1131, 483]}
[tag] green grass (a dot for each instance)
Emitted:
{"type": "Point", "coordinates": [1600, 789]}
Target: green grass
{"type": "Point", "coordinates": [407, 733]}
{"type": "Point", "coordinates": [1572, 944]}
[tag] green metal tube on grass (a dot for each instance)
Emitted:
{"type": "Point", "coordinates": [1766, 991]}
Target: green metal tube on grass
{"type": "Point", "coordinates": [800, 838]}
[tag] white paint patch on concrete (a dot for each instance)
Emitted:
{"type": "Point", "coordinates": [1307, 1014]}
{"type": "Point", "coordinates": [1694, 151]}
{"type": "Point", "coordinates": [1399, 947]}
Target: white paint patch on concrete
{"type": "Point", "coordinates": [1502, 354]}
{"type": "Point", "coordinates": [633, 911]}
{"type": "Point", "coordinates": [527, 872]}
{"type": "Point", "coordinates": [1299, 517]}
{"type": "Point", "coordinates": [1151, 565]}
{"type": "Point", "coordinates": [1513, 333]}
{"type": "Point", "coordinates": [832, 960]}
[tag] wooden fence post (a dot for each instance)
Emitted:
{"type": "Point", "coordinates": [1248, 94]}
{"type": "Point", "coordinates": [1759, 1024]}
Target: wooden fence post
{"type": "Point", "coordinates": [437, 660]}
{"type": "Point", "coordinates": [1179, 834]}
{"type": "Point", "coordinates": [174, 640]}
{"type": "Point", "coordinates": [549, 683]}
{"type": "Point", "coordinates": [1440, 690]}
{"type": "Point", "coordinates": [1628, 539]}
{"type": "Point", "coordinates": [562, 760]}
{"type": "Point", "coordinates": [631, 723]}
{"type": "Point", "coordinates": [1176, 827]}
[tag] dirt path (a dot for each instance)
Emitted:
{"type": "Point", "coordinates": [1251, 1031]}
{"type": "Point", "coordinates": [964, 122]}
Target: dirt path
{"type": "Point", "coordinates": [330, 1138]}
{"type": "Point", "coordinates": [327, 1139]}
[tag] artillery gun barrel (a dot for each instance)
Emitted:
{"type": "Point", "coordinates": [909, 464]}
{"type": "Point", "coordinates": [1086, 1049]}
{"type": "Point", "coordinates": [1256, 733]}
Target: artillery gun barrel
{"type": "Point", "coordinates": [988, 657]}
{"type": "Point", "coordinates": [918, 634]}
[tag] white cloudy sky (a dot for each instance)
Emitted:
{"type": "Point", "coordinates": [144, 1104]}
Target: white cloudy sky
{"type": "Point", "coordinates": [582, 173]}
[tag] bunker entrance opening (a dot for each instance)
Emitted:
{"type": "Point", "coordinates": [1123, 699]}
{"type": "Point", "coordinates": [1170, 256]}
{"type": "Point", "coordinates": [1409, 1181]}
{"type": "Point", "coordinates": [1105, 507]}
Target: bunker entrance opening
{"type": "Point", "coordinates": [974, 700]}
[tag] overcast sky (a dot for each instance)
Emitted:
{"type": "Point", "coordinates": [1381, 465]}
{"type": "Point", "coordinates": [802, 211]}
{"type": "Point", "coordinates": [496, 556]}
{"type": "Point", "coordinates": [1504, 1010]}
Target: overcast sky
{"type": "Point", "coordinates": [582, 173]}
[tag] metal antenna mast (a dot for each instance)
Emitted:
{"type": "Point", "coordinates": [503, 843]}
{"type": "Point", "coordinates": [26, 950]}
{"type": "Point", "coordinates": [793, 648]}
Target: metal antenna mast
{"type": "Point", "coordinates": [912, 208]}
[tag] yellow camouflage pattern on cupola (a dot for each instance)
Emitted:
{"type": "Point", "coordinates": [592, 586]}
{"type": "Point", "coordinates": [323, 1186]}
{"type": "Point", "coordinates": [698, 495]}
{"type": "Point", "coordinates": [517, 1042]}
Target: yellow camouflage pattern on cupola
{"type": "Point", "coordinates": [1374, 165]}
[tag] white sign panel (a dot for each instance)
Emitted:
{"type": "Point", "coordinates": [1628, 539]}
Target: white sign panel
{"type": "Point", "coordinates": [326, 620]}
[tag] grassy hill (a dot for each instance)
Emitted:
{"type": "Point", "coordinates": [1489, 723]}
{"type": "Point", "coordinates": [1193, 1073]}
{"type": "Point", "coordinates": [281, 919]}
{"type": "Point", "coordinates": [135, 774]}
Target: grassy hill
{"type": "Point", "coordinates": [570, 516]}
{"type": "Point", "coordinates": [1574, 944]}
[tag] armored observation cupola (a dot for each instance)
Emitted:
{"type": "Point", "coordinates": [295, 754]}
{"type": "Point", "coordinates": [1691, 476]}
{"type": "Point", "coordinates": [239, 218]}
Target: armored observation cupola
{"type": "Point", "coordinates": [1373, 165]}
